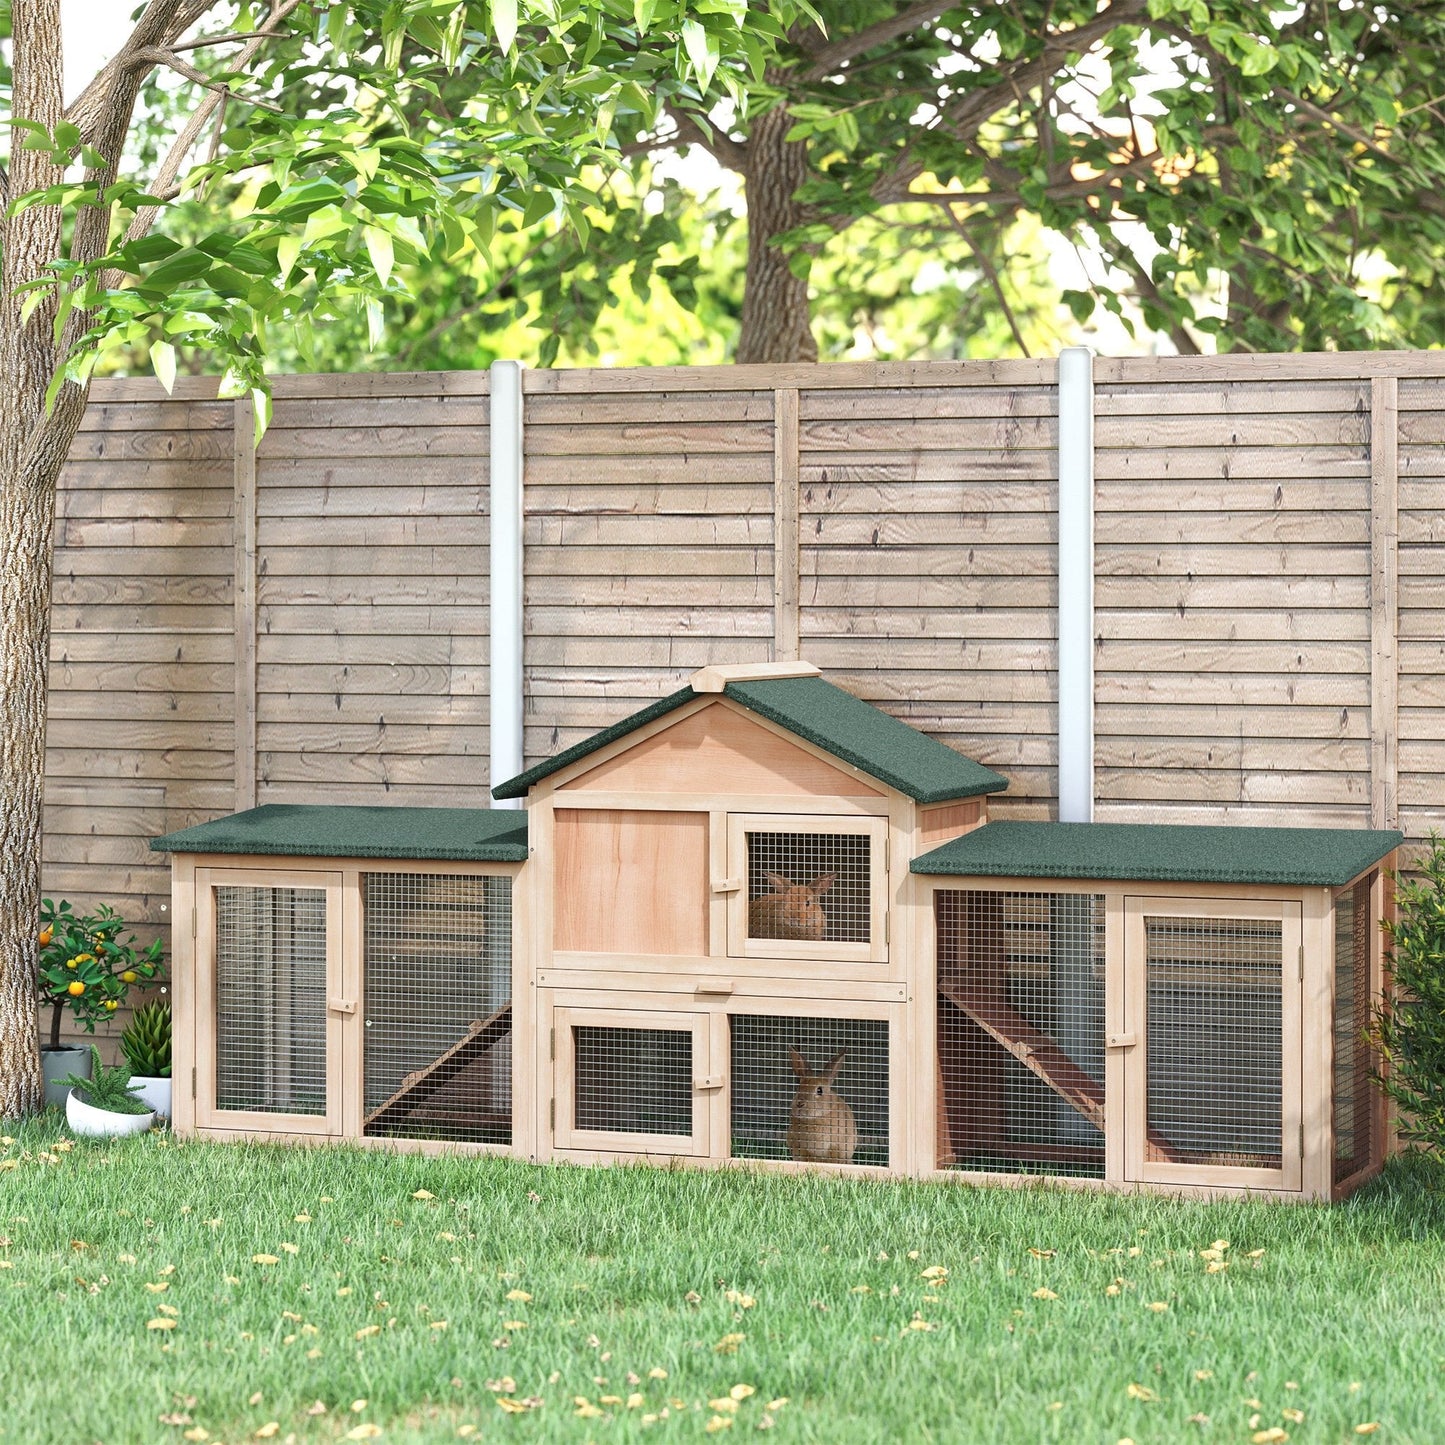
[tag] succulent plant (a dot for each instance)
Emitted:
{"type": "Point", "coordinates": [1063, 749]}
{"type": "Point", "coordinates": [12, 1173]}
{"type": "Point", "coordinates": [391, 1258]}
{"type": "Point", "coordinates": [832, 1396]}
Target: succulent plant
{"type": "Point", "coordinates": [146, 1041]}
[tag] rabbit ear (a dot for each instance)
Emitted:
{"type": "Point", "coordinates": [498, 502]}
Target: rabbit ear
{"type": "Point", "coordinates": [779, 883]}
{"type": "Point", "coordinates": [835, 1064]}
{"type": "Point", "coordinates": [800, 1064]}
{"type": "Point", "coordinates": [821, 884]}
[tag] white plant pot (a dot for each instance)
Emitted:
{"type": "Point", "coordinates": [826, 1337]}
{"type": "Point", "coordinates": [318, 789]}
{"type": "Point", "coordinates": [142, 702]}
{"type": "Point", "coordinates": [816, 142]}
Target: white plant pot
{"type": "Point", "coordinates": [154, 1092]}
{"type": "Point", "coordinates": [85, 1118]}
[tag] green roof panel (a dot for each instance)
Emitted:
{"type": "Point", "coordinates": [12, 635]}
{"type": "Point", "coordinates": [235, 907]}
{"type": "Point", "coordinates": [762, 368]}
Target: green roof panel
{"type": "Point", "coordinates": [464, 835]}
{"type": "Point", "coordinates": [1161, 853]}
{"type": "Point", "coordinates": [851, 730]}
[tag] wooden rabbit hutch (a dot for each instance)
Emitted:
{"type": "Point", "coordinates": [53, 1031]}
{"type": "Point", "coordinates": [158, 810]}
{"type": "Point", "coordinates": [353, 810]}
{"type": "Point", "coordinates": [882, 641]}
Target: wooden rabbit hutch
{"type": "Point", "coordinates": [762, 920]}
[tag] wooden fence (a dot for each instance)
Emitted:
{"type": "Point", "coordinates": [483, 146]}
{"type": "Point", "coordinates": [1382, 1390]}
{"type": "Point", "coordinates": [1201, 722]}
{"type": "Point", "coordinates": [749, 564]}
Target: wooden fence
{"type": "Point", "coordinates": [308, 620]}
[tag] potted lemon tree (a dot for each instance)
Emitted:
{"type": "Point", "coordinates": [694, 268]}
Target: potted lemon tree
{"type": "Point", "coordinates": [88, 964]}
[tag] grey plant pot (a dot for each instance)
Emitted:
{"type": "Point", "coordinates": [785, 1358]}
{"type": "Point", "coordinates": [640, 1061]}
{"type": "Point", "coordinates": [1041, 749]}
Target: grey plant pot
{"type": "Point", "coordinates": [56, 1064]}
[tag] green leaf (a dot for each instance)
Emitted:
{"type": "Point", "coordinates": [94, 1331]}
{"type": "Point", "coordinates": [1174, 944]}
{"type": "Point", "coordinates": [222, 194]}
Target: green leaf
{"type": "Point", "coordinates": [504, 24]}
{"type": "Point", "coordinates": [379, 248]}
{"type": "Point", "coordinates": [288, 248]}
{"type": "Point", "coordinates": [702, 51]}
{"type": "Point", "coordinates": [163, 360]}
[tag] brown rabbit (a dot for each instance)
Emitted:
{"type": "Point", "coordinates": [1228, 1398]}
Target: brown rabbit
{"type": "Point", "coordinates": [822, 1129]}
{"type": "Point", "coordinates": [791, 910]}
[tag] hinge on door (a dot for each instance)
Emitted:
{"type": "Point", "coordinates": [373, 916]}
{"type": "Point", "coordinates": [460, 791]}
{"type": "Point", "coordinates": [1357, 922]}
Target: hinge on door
{"type": "Point", "coordinates": [552, 1043]}
{"type": "Point", "coordinates": [193, 1083]}
{"type": "Point", "coordinates": [1301, 963]}
{"type": "Point", "coordinates": [193, 920]}
{"type": "Point", "coordinates": [887, 855]}
{"type": "Point", "coordinates": [552, 1115]}
{"type": "Point", "coordinates": [1302, 1139]}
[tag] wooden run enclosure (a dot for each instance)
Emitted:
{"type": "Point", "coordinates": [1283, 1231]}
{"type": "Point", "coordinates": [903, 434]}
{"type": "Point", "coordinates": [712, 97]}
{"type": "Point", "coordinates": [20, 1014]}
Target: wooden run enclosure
{"type": "Point", "coordinates": [307, 621]}
{"type": "Point", "coordinates": [762, 921]}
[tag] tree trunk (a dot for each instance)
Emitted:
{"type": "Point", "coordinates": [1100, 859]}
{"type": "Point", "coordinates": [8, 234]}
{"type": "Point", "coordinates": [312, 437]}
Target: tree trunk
{"type": "Point", "coordinates": [32, 451]}
{"type": "Point", "coordinates": [775, 301]}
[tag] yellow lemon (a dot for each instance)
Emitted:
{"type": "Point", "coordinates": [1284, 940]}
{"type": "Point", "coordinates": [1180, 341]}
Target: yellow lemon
{"type": "Point", "coordinates": [76, 987]}
{"type": "Point", "coordinates": [71, 962]}
{"type": "Point", "coordinates": [129, 976]}
{"type": "Point", "coordinates": [112, 1004]}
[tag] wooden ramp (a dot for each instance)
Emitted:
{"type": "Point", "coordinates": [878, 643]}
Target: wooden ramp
{"type": "Point", "coordinates": [1038, 1053]}
{"type": "Point", "coordinates": [419, 1087]}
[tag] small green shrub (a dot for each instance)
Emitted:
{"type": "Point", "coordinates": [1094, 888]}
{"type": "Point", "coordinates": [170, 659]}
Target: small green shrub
{"type": "Point", "coordinates": [1410, 1029]}
{"type": "Point", "coordinates": [107, 1088]}
{"type": "Point", "coordinates": [146, 1041]}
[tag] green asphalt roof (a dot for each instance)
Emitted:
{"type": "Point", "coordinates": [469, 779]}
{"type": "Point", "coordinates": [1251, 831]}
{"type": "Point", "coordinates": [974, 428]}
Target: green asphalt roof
{"type": "Point", "coordinates": [464, 835]}
{"type": "Point", "coordinates": [1161, 853]}
{"type": "Point", "coordinates": [853, 731]}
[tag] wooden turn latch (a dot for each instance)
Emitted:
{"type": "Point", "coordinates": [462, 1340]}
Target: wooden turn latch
{"type": "Point", "coordinates": [341, 1005]}
{"type": "Point", "coordinates": [710, 1082]}
{"type": "Point", "coordinates": [1122, 1041]}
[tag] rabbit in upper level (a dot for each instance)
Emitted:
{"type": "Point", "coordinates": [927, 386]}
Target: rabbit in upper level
{"type": "Point", "coordinates": [821, 1128]}
{"type": "Point", "coordinates": [791, 910]}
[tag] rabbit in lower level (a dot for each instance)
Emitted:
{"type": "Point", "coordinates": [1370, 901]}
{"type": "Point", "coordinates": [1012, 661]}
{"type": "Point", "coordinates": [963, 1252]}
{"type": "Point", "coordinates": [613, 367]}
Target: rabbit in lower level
{"type": "Point", "coordinates": [821, 1129]}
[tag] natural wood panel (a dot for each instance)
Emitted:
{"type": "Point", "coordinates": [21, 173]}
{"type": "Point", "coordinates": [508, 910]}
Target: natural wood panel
{"type": "Point", "coordinates": [631, 882]}
{"type": "Point", "coordinates": [952, 820]}
{"type": "Point", "coordinates": [717, 750]}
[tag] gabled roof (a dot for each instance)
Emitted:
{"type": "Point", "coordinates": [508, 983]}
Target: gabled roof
{"type": "Point", "coordinates": [853, 731]}
{"type": "Point", "coordinates": [1162, 853]}
{"type": "Point", "coordinates": [304, 830]}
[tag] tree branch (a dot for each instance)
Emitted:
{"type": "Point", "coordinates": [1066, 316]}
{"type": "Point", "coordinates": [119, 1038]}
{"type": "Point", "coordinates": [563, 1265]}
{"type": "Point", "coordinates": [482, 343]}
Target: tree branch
{"type": "Point", "coordinates": [149, 56]}
{"type": "Point", "coordinates": [731, 154]}
{"type": "Point", "coordinates": [170, 168]}
{"type": "Point", "coordinates": [849, 47]}
{"type": "Point", "coordinates": [985, 264]}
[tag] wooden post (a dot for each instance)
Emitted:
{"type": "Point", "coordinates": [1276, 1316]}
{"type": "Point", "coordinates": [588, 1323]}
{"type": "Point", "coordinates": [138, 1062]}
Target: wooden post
{"type": "Point", "coordinates": [243, 456]}
{"type": "Point", "coordinates": [1384, 601]}
{"type": "Point", "coordinates": [787, 583]}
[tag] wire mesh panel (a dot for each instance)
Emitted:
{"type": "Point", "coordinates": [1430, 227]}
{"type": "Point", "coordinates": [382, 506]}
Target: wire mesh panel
{"type": "Point", "coordinates": [810, 887]}
{"type": "Point", "coordinates": [1020, 1032]}
{"type": "Point", "coordinates": [632, 1080]}
{"type": "Point", "coordinates": [814, 1089]}
{"type": "Point", "coordinates": [271, 1000]}
{"type": "Point", "coordinates": [1214, 1039]}
{"type": "Point", "coordinates": [437, 957]}
{"type": "Point", "coordinates": [1354, 1100]}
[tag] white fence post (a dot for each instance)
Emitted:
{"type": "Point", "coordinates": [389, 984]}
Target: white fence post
{"type": "Point", "coordinates": [1076, 585]}
{"type": "Point", "coordinates": [505, 670]}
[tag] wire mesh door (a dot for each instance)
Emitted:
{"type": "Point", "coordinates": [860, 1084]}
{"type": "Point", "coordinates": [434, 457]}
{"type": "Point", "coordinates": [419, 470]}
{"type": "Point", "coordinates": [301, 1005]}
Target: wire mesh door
{"type": "Point", "coordinates": [631, 1082]}
{"type": "Point", "coordinates": [807, 887]}
{"type": "Point", "coordinates": [1212, 1042]}
{"type": "Point", "coordinates": [269, 1004]}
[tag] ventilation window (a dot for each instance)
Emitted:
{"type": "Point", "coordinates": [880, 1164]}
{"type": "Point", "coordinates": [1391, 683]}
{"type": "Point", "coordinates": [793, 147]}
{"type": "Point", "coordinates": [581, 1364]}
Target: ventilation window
{"type": "Point", "coordinates": [633, 1081]}
{"type": "Point", "coordinates": [271, 1000]}
{"type": "Point", "coordinates": [1215, 1059]}
{"type": "Point", "coordinates": [1020, 1085]}
{"type": "Point", "coordinates": [808, 888]}
{"type": "Point", "coordinates": [811, 1089]}
{"type": "Point", "coordinates": [437, 956]}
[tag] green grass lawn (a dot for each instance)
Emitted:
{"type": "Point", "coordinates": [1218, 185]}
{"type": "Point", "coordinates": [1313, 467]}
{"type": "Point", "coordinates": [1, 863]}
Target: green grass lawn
{"type": "Point", "coordinates": [330, 1294]}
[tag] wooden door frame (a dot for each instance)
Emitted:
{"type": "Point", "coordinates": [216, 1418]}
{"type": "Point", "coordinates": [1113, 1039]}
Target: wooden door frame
{"type": "Point", "coordinates": [207, 1113]}
{"type": "Point", "coordinates": [618, 1013]}
{"type": "Point", "coordinates": [1131, 1107]}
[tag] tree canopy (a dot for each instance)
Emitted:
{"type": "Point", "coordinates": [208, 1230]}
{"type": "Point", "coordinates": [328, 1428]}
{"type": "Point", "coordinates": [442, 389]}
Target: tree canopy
{"type": "Point", "coordinates": [1256, 174]}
